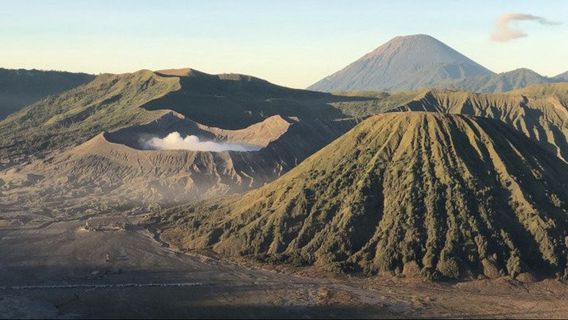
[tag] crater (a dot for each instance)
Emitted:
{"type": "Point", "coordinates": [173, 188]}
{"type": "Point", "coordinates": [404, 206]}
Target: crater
{"type": "Point", "coordinates": [173, 131]}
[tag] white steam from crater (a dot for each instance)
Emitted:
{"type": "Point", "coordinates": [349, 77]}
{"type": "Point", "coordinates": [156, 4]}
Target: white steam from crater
{"type": "Point", "coordinates": [174, 141]}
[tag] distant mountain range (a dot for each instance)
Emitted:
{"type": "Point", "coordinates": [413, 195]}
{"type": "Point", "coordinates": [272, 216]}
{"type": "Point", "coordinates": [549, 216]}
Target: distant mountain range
{"type": "Point", "coordinates": [405, 63]}
{"type": "Point", "coordinates": [19, 88]}
{"type": "Point", "coordinates": [562, 76]}
{"type": "Point", "coordinates": [421, 61]}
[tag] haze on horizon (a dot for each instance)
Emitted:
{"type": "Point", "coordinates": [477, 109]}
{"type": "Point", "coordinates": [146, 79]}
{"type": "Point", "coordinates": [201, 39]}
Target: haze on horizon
{"type": "Point", "coordinates": [292, 43]}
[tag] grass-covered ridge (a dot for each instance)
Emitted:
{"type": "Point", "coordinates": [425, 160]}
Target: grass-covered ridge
{"type": "Point", "coordinates": [19, 88]}
{"type": "Point", "coordinates": [106, 103]}
{"type": "Point", "coordinates": [441, 196]}
{"type": "Point", "coordinates": [540, 112]}
{"type": "Point", "coordinates": [112, 102]}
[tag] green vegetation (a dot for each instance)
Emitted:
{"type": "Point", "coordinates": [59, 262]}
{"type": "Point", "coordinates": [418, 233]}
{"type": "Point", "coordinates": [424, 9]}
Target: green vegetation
{"type": "Point", "coordinates": [540, 112]}
{"type": "Point", "coordinates": [440, 195]}
{"type": "Point", "coordinates": [428, 194]}
{"type": "Point", "coordinates": [111, 102]}
{"type": "Point", "coordinates": [235, 101]}
{"type": "Point", "coordinates": [108, 102]}
{"type": "Point", "coordinates": [19, 88]}
{"type": "Point", "coordinates": [371, 103]}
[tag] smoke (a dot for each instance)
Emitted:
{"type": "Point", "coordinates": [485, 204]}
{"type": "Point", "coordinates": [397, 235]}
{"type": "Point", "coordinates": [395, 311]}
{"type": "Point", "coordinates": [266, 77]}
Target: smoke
{"type": "Point", "coordinates": [504, 32]}
{"type": "Point", "coordinates": [174, 141]}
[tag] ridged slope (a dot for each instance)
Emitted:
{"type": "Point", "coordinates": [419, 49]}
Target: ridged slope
{"type": "Point", "coordinates": [539, 112]}
{"type": "Point", "coordinates": [420, 193]}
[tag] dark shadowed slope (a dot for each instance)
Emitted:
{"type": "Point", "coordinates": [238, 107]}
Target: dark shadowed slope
{"type": "Point", "coordinates": [418, 193]}
{"type": "Point", "coordinates": [403, 63]}
{"type": "Point", "coordinates": [19, 88]}
{"type": "Point", "coordinates": [235, 101]}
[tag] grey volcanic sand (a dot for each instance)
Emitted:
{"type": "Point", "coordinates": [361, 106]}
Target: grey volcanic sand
{"type": "Point", "coordinates": [61, 270]}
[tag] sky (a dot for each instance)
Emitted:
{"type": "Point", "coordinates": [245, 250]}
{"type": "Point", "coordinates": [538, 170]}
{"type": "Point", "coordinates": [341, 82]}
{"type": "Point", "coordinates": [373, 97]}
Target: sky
{"type": "Point", "coordinates": [291, 43]}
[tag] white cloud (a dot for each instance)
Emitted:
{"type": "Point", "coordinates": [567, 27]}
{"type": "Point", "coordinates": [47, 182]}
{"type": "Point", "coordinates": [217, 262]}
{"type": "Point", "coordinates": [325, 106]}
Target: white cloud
{"type": "Point", "coordinates": [505, 32]}
{"type": "Point", "coordinates": [174, 141]}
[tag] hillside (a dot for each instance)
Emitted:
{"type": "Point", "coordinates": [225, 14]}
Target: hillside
{"type": "Point", "coordinates": [562, 76]}
{"type": "Point", "coordinates": [111, 102]}
{"type": "Point", "coordinates": [108, 102]}
{"type": "Point", "coordinates": [502, 82]}
{"type": "Point", "coordinates": [540, 112]}
{"type": "Point", "coordinates": [19, 88]}
{"type": "Point", "coordinates": [369, 103]}
{"type": "Point", "coordinates": [443, 196]}
{"type": "Point", "coordinates": [235, 101]}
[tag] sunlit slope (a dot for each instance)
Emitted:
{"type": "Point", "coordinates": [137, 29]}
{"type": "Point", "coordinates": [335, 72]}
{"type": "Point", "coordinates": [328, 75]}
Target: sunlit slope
{"type": "Point", "coordinates": [114, 172]}
{"type": "Point", "coordinates": [111, 102]}
{"type": "Point", "coordinates": [19, 88]}
{"type": "Point", "coordinates": [108, 102]}
{"type": "Point", "coordinates": [419, 193]}
{"type": "Point", "coordinates": [540, 112]}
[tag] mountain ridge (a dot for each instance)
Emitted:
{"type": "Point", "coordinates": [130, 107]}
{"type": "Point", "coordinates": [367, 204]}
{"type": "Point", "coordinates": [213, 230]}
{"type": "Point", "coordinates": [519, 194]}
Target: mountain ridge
{"type": "Point", "coordinates": [502, 82]}
{"type": "Point", "coordinates": [22, 87]}
{"type": "Point", "coordinates": [540, 112]}
{"type": "Point", "coordinates": [111, 102]}
{"type": "Point", "coordinates": [563, 76]}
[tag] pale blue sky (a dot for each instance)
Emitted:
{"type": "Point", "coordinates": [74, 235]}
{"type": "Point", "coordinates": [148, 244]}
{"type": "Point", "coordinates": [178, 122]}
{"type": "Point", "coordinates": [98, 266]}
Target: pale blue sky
{"type": "Point", "coordinates": [293, 43]}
